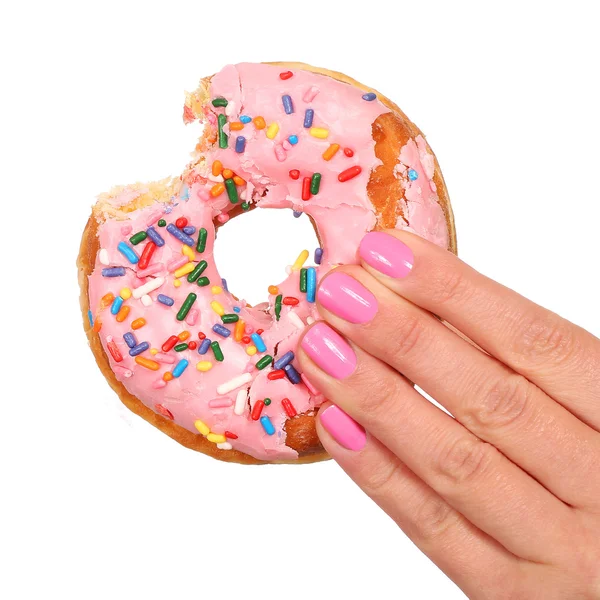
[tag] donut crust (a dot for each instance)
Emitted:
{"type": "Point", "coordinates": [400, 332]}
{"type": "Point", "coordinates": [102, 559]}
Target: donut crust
{"type": "Point", "coordinates": [391, 131]}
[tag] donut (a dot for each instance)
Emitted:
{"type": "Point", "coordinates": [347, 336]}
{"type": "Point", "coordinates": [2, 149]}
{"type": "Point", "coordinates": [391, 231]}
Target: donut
{"type": "Point", "coordinates": [183, 352]}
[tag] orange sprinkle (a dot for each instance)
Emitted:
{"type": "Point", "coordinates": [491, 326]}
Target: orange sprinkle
{"type": "Point", "coordinates": [228, 173]}
{"type": "Point", "coordinates": [146, 362]}
{"type": "Point", "coordinates": [97, 326]}
{"type": "Point", "coordinates": [217, 167]}
{"type": "Point", "coordinates": [238, 180]}
{"type": "Point", "coordinates": [238, 333]}
{"type": "Point", "coordinates": [122, 314]}
{"type": "Point", "coordinates": [138, 323]}
{"type": "Point", "coordinates": [107, 300]}
{"type": "Point", "coordinates": [273, 289]}
{"type": "Point", "coordinates": [168, 376]}
{"type": "Point", "coordinates": [184, 335]}
{"type": "Point", "coordinates": [236, 126]}
{"type": "Point", "coordinates": [330, 152]}
{"type": "Point", "coordinates": [259, 122]}
{"type": "Point", "coordinates": [217, 190]}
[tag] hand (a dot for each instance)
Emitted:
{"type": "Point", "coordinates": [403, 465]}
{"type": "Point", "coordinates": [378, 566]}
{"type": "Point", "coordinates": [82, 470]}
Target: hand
{"type": "Point", "coordinates": [505, 496]}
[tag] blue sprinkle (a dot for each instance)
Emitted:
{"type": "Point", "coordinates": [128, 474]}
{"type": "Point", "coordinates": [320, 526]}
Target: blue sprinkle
{"type": "Point", "coordinates": [90, 318]}
{"type": "Point", "coordinates": [224, 284]}
{"type": "Point", "coordinates": [292, 374]}
{"type": "Point", "coordinates": [130, 339]}
{"type": "Point", "coordinates": [189, 230]}
{"type": "Point", "coordinates": [166, 300]}
{"type": "Point", "coordinates": [139, 349]}
{"type": "Point", "coordinates": [297, 214]}
{"type": "Point", "coordinates": [240, 144]}
{"type": "Point", "coordinates": [293, 139]}
{"type": "Point", "coordinates": [288, 105]}
{"type": "Point", "coordinates": [185, 192]}
{"type": "Point", "coordinates": [318, 255]}
{"type": "Point", "coordinates": [412, 174]}
{"type": "Point", "coordinates": [236, 309]}
{"type": "Point", "coordinates": [116, 305]}
{"type": "Point", "coordinates": [284, 360]}
{"type": "Point", "coordinates": [178, 234]}
{"type": "Point", "coordinates": [369, 97]}
{"type": "Point", "coordinates": [258, 342]}
{"type": "Point", "coordinates": [311, 284]}
{"type": "Point", "coordinates": [245, 119]}
{"type": "Point", "coordinates": [308, 117]}
{"type": "Point", "coordinates": [204, 346]}
{"type": "Point", "coordinates": [267, 425]}
{"type": "Point", "coordinates": [128, 253]}
{"type": "Point", "coordinates": [180, 367]}
{"type": "Point", "coordinates": [113, 272]}
{"type": "Point", "coordinates": [221, 330]}
{"type": "Point", "coordinates": [155, 236]}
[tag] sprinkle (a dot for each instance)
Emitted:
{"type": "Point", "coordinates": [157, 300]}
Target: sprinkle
{"type": "Point", "coordinates": [245, 205]}
{"type": "Point", "coordinates": [231, 191]}
{"type": "Point", "coordinates": [185, 307]}
{"type": "Point", "coordinates": [310, 94]}
{"type": "Point", "coordinates": [278, 306]}
{"type": "Point", "coordinates": [274, 375]}
{"type": "Point", "coordinates": [192, 317]}
{"type": "Point", "coordinates": [162, 223]}
{"type": "Point", "coordinates": [308, 118]}
{"type": "Point", "coordinates": [116, 305]}
{"type": "Point", "coordinates": [106, 300]}
{"type": "Point", "coordinates": [153, 351]}
{"type": "Point", "coordinates": [204, 346]}
{"type": "Point", "coordinates": [220, 102]}
{"type": "Point", "coordinates": [220, 403]}
{"type": "Point", "coordinates": [184, 335]}
{"type": "Point", "coordinates": [297, 213]}
{"type": "Point", "coordinates": [196, 271]}
{"type": "Point", "coordinates": [155, 236]}
{"type": "Point", "coordinates": [187, 251]}
{"type": "Point", "coordinates": [369, 97]}
{"type": "Point", "coordinates": [292, 374]}
{"type": "Point", "coordinates": [103, 256]}
{"type": "Point", "coordinates": [217, 190]}
{"type": "Point", "coordinates": [123, 313]}
{"type": "Point", "coordinates": [349, 152]}
{"type": "Point", "coordinates": [204, 365]}
{"type": "Point", "coordinates": [113, 272]}
{"type": "Point", "coordinates": [147, 363]}
{"type": "Point", "coordinates": [265, 421]}
{"type": "Point", "coordinates": [290, 411]}
{"type": "Point", "coordinates": [302, 257]}
{"type": "Point", "coordinates": [216, 348]}
{"type": "Point", "coordinates": [273, 289]}
{"type": "Point", "coordinates": [258, 342]}
{"type": "Point", "coordinates": [306, 188]}
{"type": "Point", "coordinates": [259, 122]}
{"type": "Point", "coordinates": [202, 237]}
{"type": "Point", "coordinates": [412, 174]}
{"type": "Point", "coordinates": [238, 180]}
{"type": "Point", "coordinates": [294, 174]}
{"type": "Point", "coordinates": [318, 255]}
{"type": "Point", "coordinates": [236, 126]}
{"type": "Point", "coordinates": [256, 410]}
{"type": "Point", "coordinates": [245, 119]}
{"type": "Point", "coordinates": [147, 253]}
{"type": "Point", "coordinates": [225, 446]}
{"type": "Point", "coordinates": [285, 75]}
{"type": "Point", "coordinates": [151, 270]}
{"type": "Point", "coordinates": [138, 237]}
{"type": "Point", "coordinates": [201, 335]}
{"type": "Point", "coordinates": [97, 326]}
{"type": "Point", "coordinates": [139, 348]}
{"type": "Point", "coordinates": [216, 168]}
{"type": "Point", "coordinates": [148, 287]}
{"type": "Point", "coordinates": [164, 358]}
{"type": "Point", "coordinates": [223, 218]}
{"type": "Point", "coordinates": [90, 318]}
{"type": "Point", "coordinates": [240, 402]}
{"type": "Point", "coordinates": [189, 230]}
{"type": "Point", "coordinates": [319, 132]}
{"type": "Point", "coordinates": [146, 300]}
{"type": "Point", "coordinates": [203, 281]}
{"type": "Point", "coordinates": [280, 154]}
{"type": "Point", "coordinates": [284, 360]}
{"type": "Point", "coordinates": [349, 173]}
{"type": "Point", "coordinates": [311, 284]}
{"type": "Point", "coordinates": [234, 383]}
{"type": "Point", "coordinates": [315, 183]}
{"type": "Point", "coordinates": [272, 130]}
{"type": "Point", "coordinates": [166, 300]}
{"type": "Point", "coordinates": [295, 320]}
{"type": "Point", "coordinates": [309, 385]}
{"type": "Point", "coordinates": [240, 144]}
{"type": "Point", "coordinates": [114, 350]}
{"type": "Point", "coordinates": [125, 293]}
{"type": "Point", "coordinates": [331, 151]}
{"type": "Point", "coordinates": [230, 436]}
{"type": "Point", "coordinates": [251, 350]}
{"type": "Point", "coordinates": [265, 361]}
{"type": "Point", "coordinates": [216, 438]}
{"type": "Point", "coordinates": [221, 330]}
{"type": "Point", "coordinates": [128, 253]}
{"type": "Point", "coordinates": [237, 309]}
{"type": "Point", "coordinates": [293, 139]}
{"type": "Point", "coordinates": [303, 280]}
{"type": "Point", "coordinates": [181, 222]}
{"type": "Point", "coordinates": [202, 427]}
{"type": "Point", "coordinates": [178, 234]}
{"type": "Point", "coordinates": [221, 121]}
{"type": "Point", "coordinates": [230, 109]}
{"type": "Point", "coordinates": [215, 289]}
{"type": "Point", "coordinates": [180, 347]}
{"type": "Point", "coordinates": [168, 376]}
{"type": "Point", "coordinates": [177, 262]}
{"type": "Point", "coordinates": [230, 318]}
{"type": "Point", "coordinates": [288, 105]}
{"type": "Point", "coordinates": [192, 345]}
{"type": "Point", "coordinates": [180, 367]}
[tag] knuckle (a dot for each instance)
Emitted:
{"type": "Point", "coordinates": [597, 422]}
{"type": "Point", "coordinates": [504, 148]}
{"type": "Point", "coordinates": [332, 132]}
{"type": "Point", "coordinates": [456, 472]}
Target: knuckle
{"type": "Point", "coordinates": [449, 285]}
{"type": "Point", "coordinates": [379, 480]}
{"type": "Point", "coordinates": [464, 460]}
{"type": "Point", "coordinates": [407, 335]}
{"type": "Point", "coordinates": [433, 518]}
{"type": "Point", "coordinates": [380, 393]}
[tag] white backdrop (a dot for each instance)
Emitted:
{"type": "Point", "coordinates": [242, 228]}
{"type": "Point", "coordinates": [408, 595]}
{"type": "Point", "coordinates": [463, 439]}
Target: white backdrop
{"type": "Point", "coordinates": [97, 504]}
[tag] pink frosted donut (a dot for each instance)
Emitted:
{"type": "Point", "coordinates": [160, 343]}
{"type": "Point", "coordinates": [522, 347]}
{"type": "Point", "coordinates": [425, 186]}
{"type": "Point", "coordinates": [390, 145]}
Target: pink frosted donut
{"type": "Point", "coordinates": [180, 350]}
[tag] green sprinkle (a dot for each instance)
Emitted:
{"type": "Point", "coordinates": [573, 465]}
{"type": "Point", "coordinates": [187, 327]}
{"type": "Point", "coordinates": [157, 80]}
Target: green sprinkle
{"type": "Point", "coordinates": [202, 235]}
{"type": "Point", "coordinates": [232, 191]}
{"type": "Point", "coordinates": [220, 102]}
{"type": "Point", "coordinates": [265, 361]}
{"type": "Point", "coordinates": [180, 347]}
{"type": "Point", "coordinates": [267, 401]}
{"type": "Point", "coordinates": [185, 307]}
{"type": "Point", "coordinates": [233, 318]}
{"type": "Point", "coordinates": [203, 281]}
{"type": "Point", "coordinates": [217, 351]}
{"type": "Point", "coordinates": [222, 120]}
{"type": "Point", "coordinates": [278, 306]}
{"type": "Point", "coordinates": [303, 280]}
{"type": "Point", "coordinates": [162, 223]}
{"type": "Point", "coordinates": [198, 270]}
{"type": "Point", "coordinates": [315, 183]}
{"type": "Point", "coordinates": [138, 237]}
{"type": "Point", "coordinates": [245, 206]}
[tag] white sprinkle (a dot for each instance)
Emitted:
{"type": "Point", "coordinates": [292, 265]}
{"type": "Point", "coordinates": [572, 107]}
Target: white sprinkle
{"type": "Point", "coordinates": [148, 287]}
{"type": "Point", "coordinates": [234, 383]}
{"type": "Point", "coordinates": [295, 320]}
{"type": "Point", "coordinates": [146, 300]}
{"type": "Point", "coordinates": [103, 256]}
{"type": "Point", "coordinates": [230, 108]}
{"type": "Point", "coordinates": [225, 446]}
{"type": "Point", "coordinates": [288, 269]}
{"type": "Point", "coordinates": [240, 402]}
{"type": "Point", "coordinates": [243, 195]}
{"type": "Point", "coordinates": [309, 320]}
{"type": "Point", "coordinates": [215, 178]}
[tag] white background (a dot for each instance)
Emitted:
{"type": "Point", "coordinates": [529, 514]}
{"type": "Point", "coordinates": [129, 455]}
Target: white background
{"type": "Point", "coordinates": [97, 504]}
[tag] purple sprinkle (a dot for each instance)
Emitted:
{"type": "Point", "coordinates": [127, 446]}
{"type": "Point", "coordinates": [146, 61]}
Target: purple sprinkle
{"type": "Point", "coordinates": [292, 374]}
{"type": "Point", "coordinates": [139, 349]}
{"type": "Point", "coordinates": [178, 234]}
{"type": "Point", "coordinates": [166, 300]}
{"type": "Point", "coordinates": [130, 339]}
{"type": "Point", "coordinates": [288, 105]}
{"type": "Point", "coordinates": [318, 255]}
{"type": "Point", "coordinates": [113, 272]}
{"type": "Point", "coordinates": [204, 346]}
{"type": "Point", "coordinates": [297, 213]}
{"type": "Point", "coordinates": [308, 117]}
{"type": "Point", "coordinates": [221, 330]}
{"type": "Point", "coordinates": [224, 284]}
{"type": "Point", "coordinates": [369, 97]}
{"type": "Point", "coordinates": [189, 230]}
{"type": "Point", "coordinates": [240, 144]}
{"type": "Point", "coordinates": [155, 236]}
{"type": "Point", "coordinates": [285, 360]}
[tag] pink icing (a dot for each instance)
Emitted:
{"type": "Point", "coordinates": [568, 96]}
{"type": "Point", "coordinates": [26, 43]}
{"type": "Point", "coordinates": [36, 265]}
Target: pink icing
{"type": "Point", "coordinates": [342, 212]}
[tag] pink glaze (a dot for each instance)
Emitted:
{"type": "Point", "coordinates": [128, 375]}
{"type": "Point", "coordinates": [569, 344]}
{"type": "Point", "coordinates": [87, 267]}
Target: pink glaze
{"type": "Point", "coordinates": [342, 212]}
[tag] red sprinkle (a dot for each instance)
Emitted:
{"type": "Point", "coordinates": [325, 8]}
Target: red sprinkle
{"type": "Point", "coordinates": [149, 249]}
{"type": "Point", "coordinates": [165, 412]}
{"type": "Point", "coordinates": [294, 173]}
{"type": "Point", "coordinates": [290, 300]}
{"type": "Point", "coordinates": [230, 435]}
{"type": "Point", "coordinates": [181, 222]}
{"type": "Point", "coordinates": [246, 339]}
{"type": "Point", "coordinates": [114, 351]}
{"type": "Point", "coordinates": [349, 152]}
{"type": "Point", "coordinates": [192, 345]}
{"type": "Point", "coordinates": [201, 335]}
{"type": "Point", "coordinates": [278, 374]}
{"type": "Point", "coordinates": [285, 75]}
{"type": "Point", "coordinates": [350, 173]}
{"type": "Point", "coordinates": [260, 331]}
{"type": "Point", "coordinates": [257, 409]}
{"type": "Point", "coordinates": [170, 343]}
{"type": "Point", "coordinates": [290, 411]}
{"type": "Point", "coordinates": [306, 188]}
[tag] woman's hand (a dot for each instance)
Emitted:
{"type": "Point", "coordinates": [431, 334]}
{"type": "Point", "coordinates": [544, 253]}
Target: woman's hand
{"type": "Point", "coordinates": [505, 496]}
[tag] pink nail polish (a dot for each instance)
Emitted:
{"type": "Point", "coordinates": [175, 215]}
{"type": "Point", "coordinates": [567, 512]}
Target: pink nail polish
{"type": "Point", "coordinates": [347, 298]}
{"type": "Point", "coordinates": [387, 254]}
{"type": "Point", "coordinates": [329, 350]}
{"type": "Point", "coordinates": [343, 428]}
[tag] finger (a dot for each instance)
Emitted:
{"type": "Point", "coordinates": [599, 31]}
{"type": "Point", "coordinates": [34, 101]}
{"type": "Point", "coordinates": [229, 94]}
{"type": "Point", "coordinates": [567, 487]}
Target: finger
{"type": "Point", "coordinates": [468, 556]}
{"type": "Point", "coordinates": [488, 398]}
{"type": "Point", "coordinates": [471, 475]}
{"type": "Point", "coordinates": [559, 357]}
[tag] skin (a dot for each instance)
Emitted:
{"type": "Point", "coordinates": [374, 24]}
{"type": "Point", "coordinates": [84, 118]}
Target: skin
{"type": "Point", "coordinates": [504, 495]}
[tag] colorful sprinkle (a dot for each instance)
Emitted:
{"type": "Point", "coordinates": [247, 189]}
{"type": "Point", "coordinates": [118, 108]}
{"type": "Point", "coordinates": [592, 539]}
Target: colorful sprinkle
{"type": "Point", "coordinates": [349, 173]}
{"type": "Point", "coordinates": [292, 374]}
{"type": "Point", "coordinates": [116, 305]}
{"type": "Point", "coordinates": [309, 115]}
{"type": "Point", "coordinates": [181, 222]}
{"type": "Point", "coordinates": [277, 374]}
{"type": "Point", "coordinates": [285, 75]}
{"type": "Point", "coordinates": [221, 121]}
{"type": "Point", "coordinates": [412, 175]}
{"type": "Point", "coordinates": [291, 301]}
{"type": "Point", "coordinates": [185, 307]}
{"type": "Point", "coordinates": [180, 347]}
{"type": "Point", "coordinates": [302, 257]}
{"type": "Point", "coordinates": [369, 97]}
{"type": "Point", "coordinates": [280, 153]}
{"type": "Point", "coordinates": [128, 253]}
{"type": "Point", "coordinates": [180, 367]}
{"type": "Point", "coordinates": [318, 255]}
{"type": "Point", "coordinates": [272, 130]}
{"type": "Point", "coordinates": [204, 365]}
{"type": "Point", "coordinates": [178, 234]}
{"type": "Point", "coordinates": [311, 284]}
{"type": "Point", "coordinates": [265, 361]}
{"type": "Point", "coordinates": [236, 126]}
{"type": "Point", "coordinates": [245, 119]}
{"type": "Point", "coordinates": [306, 188]}
{"type": "Point", "coordinates": [349, 152]}
{"type": "Point", "coordinates": [216, 168]}
{"type": "Point", "coordinates": [251, 350]}
{"type": "Point", "coordinates": [290, 411]}
{"type": "Point", "coordinates": [148, 287]}
{"type": "Point", "coordinates": [230, 318]}
{"type": "Point", "coordinates": [265, 421]}
{"type": "Point", "coordinates": [202, 237]}
{"type": "Point", "coordinates": [284, 360]}
{"type": "Point", "coordinates": [166, 300]}
{"type": "Point", "coordinates": [189, 230]}
{"type": "Point", "coordinates": [138, 237]}
{"type": "Point", "coordinates": [303, 280]}
{"type": "Point", "coordinates": [220, 102]}
{"type": "Point", "coordinates": [293, 139]}
{"type": "Point", "coordinates": [288, 105]}
{"type": "Point", "coordinates": [221, 330]}
{"type": "Point", "coordinates": [203, 281]}
{"type": "Point", "coordinates": [258, 342]}
{"type": "Point", "coordinates": [155, 236]}
{"type": "Point", "coordinates": [123, 313]}
{"type": "Point", "coordinates": [147, 253]}
{"type": "Point", "coordinates": [147, 363]}
{"type": "Point", "coordinates": [231, 191]}
{"type": "Point", "coordinates": [217, 189]}
{"type": "Point", "coordinates": [240, 144]}
{"type": "Point", "coordinates": [113, 272]}
{"type": "Point", "coordinates": [331, 151]}
{"type": "Point", "coordinates": [139, 348]}
{"type": "Point", "coordinates": [138, 323]}
{"type": "Point", "coordinates": [204, 346]}
{"type": "Point", "coordinates": [315, 183]}
{"type": "Point", "coordinates": [294, 174]}
{"type": "Point", "coordinates": [259, 122]}
{"type": "Point", "coordinates": [216, 438]}
{"type": "Point", "coordinates": [234, 383]}
{"type": "Point", "coordinates": [130, 339]}
{"type": "Point", "coordinates": [162, 223]}
{"type": "Point", "coordinates": [319, 132]}
{"type": "Point", "coordinates": [257, 408]}
{"type": "Point", "coordinates": [197, 271]}
{"type": "Point", "coordinates": [278, 307]}
{"type": "Point", "coordinates": [114, 350]}
{"type": "Point", "coordinates": [202, 427]}
{"type": "Point", "coordinates": [216, 348]}
{"type": "Point", "coordinates": [310, 94]}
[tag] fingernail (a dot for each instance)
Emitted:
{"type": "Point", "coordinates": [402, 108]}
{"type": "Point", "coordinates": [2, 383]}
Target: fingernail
{"type": "Point", "coordinates": [387, 254]}
{"type": "Point", "coordinates": [343, 428]}
{"type": "Point", "coordinates": [347, 298]}
{"type": "Point", "coordinates": [329, 350]}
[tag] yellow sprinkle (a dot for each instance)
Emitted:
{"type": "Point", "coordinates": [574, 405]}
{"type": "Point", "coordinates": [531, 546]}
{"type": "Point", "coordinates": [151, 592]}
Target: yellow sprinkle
{"type": "Point", "coordinates": [251, 350]}
{"type": "Point", "coordinates": [273, 129]}
{"type": "Point", "coordinates": [215, 289]}
{"type": "Point", "coordinates": [187, 251]}
{"type": "Point", "coordinates": [204, 365]}
{"type": "Point", "coordinates": [319, 132]}
{"type": "Point", "coordinates": [302, 257]}
{"type": "Point", "coordinates": [187, 268]}
{"type": "Point", "coordinates": [125, 293]}
{"type": "Point", "coordinates": [177, 283]}
{"type": "Point", "coordinates": [202, 427]}
{"type": "Point", "coordinates": [218, 308]}
{"type": "Point", "coordinates": [153, 351]}
{"type": "Point", "coordinates": [216, 438]}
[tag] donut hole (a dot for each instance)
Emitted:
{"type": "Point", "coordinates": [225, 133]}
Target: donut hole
{"type": "Point", "coordinates": [253, 250]}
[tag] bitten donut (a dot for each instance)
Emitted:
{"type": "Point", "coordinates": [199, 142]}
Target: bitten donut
{"type": "Point", "coordinates": [178, 347]}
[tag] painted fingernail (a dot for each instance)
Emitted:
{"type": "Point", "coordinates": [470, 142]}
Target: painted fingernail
{"type": "Point", "coordinates": [387, 254]}
{"type": "Point", "coordinates": [347, 298]}
{"type": "Point", "coordinates": [343, 428]}
{"type": "Point", "coordinates": [329, 350]}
